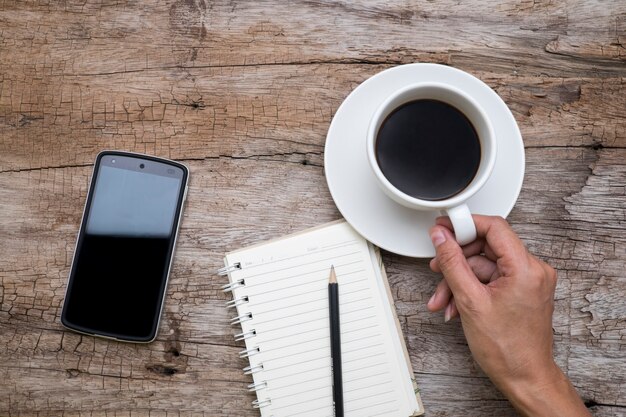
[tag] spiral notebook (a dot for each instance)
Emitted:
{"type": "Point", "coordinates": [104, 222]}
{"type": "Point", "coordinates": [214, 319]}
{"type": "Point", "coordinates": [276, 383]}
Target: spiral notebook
{"type": "Point", "coordinates": [280, 295]}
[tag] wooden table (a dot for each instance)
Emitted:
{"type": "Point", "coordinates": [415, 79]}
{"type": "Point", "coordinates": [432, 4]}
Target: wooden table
{"type": "Point", "coordinates": [243, 93]}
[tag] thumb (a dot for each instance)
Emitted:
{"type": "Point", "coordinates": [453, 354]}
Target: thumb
{"type": "Point", "coordinates": [458, 274]}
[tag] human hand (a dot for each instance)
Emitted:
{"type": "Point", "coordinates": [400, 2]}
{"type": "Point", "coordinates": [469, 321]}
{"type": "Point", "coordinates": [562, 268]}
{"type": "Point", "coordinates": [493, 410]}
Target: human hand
{"type": "Point", "coordinates": [505, 298]}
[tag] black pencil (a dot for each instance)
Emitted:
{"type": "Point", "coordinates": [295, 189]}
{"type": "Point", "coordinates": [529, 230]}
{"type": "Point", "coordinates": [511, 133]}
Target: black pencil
{"type": "Point", "coordinates": [335, 342]}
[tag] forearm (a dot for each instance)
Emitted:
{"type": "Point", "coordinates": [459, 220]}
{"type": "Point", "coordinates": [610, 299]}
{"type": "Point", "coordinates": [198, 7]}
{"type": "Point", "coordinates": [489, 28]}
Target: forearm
{"type": "Point", "coordinates": [553, 397]}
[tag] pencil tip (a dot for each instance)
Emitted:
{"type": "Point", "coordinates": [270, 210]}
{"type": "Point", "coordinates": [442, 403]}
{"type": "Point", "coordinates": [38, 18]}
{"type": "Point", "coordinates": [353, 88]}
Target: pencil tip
{"type": "Point", "coordinates": [333, 277]}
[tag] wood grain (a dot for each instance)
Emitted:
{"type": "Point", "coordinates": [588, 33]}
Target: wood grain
{"type": "Point", "coordinates": [243, 92]}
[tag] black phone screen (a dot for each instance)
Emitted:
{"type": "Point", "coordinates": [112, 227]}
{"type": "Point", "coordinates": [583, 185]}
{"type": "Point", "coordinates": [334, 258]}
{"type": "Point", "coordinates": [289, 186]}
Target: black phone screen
{"type": "Point", "coordinates": [124, 250]}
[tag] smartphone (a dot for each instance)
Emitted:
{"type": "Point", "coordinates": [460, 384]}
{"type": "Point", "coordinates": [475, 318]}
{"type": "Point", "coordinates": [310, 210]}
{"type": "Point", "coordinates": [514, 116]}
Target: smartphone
{"type": "Point", "coordinates": [125, 246]}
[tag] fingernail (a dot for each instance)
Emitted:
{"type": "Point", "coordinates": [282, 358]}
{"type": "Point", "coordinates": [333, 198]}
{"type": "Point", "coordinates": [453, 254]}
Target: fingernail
{"type": "Point", "coordinates": [437, 237]}
{"type": "Point", "coordinates": [448, 313]}
{"type": "Point", "coordinates": [432, 299]}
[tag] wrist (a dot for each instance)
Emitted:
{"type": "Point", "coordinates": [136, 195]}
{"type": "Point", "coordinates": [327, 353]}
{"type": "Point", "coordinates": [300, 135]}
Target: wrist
{"type": "Point", "coordinates": [548, 394]}
{"type": "Point", "coordinates": [528, 392]}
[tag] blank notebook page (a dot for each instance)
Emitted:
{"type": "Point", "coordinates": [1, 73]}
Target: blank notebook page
{"type": "Point", "coordinates": [285, 290]}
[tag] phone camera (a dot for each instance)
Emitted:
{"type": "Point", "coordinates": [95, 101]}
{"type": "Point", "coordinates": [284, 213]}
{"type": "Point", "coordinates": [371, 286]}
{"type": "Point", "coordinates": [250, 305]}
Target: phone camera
{"type": "Point", "coordinates": [142, 166]}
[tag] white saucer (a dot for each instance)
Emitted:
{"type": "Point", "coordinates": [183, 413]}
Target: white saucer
{"type": "Point", "coordinates": [352, 185]}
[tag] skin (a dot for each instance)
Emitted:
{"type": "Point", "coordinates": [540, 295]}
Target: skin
{"type": "Point", "coordinates": [505, 298]}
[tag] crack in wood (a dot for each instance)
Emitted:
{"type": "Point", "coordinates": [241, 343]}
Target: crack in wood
{"type": "Point", "coordinates": [349, 61]}
{"type": "Point", "coordinates": [162, 370]}
{"type": "Point", "coordinates": [595, 404]}
{"type": "Point", "coordinates": [304, 161]}
{"type": "Point", "coordinates": [261, 157]}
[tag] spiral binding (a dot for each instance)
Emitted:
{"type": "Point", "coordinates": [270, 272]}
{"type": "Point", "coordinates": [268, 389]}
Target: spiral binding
{"type": "Point", "coordinates": [249, 352]}
{"type": "Point", "coordinates": [228, 269]}
{"type": "Point", "coordinates": [249, 370]}
{"type": "Point", "coordinates": [245, 335]}
{"type": "Point", "coordinates": [233, 285]}
{"type": "Point", "coordinates": [237, 302]}
{"type": "Point", "coordinates": [257, 386]}
{"type": "Point", "coordinates": [261, 403]}
{"type": "Point", "coordinates": [241, 319]}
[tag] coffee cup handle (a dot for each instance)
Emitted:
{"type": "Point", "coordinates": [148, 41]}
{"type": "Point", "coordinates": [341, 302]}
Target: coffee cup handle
{"type": "Point", "coordinates": [464, 227]}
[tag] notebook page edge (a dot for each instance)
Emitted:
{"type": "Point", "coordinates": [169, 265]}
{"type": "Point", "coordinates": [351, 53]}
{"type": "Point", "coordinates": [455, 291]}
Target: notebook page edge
{"type": "Point", "coordinates": [382, 275]}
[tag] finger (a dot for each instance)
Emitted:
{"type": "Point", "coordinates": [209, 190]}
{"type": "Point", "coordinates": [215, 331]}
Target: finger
{"type": "Point", "coordinates": [434, 265]}
{"type": "Point", "coordinates": [444, 221]}
{"type": "Point", "coordinates": [498, 235]}
{"type": "Point", "coordinates": [474, 248]}
{"type": "Point", "coordinates": [454, 266]}
{"type": "Point", "coordinates": [440, 298]}
{"type": "Point", "coordinates": [471, 249]}
{"type": "Point", "coordinates": [489, 253]}
{"type": "Point", "coordinates": [483, 268]}
{"type": "Point", "coordinates": [451, 311]}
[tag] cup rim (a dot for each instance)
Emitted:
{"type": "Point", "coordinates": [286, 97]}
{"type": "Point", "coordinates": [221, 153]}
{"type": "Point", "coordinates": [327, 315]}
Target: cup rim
{"type": "Point", "coordinates": [417, 203]}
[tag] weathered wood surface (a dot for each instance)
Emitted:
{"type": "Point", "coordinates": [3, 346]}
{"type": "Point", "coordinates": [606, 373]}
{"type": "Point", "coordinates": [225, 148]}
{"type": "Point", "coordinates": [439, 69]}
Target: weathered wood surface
{"type": "Point", "coordinates": [243, 92]}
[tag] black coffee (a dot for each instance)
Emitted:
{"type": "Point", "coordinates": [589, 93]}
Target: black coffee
{"type": "Point", "coordinates": [428, 149]}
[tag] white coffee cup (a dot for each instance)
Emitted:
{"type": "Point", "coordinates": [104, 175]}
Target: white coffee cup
{"type": "Point", "coordinates": [456, 206]}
